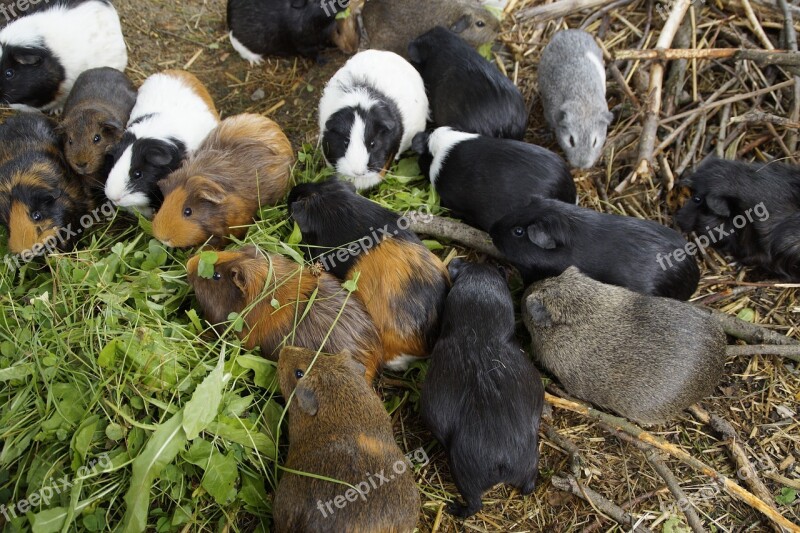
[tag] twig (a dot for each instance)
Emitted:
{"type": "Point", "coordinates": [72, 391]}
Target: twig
{"type": "Point", "coordinates": [756, 117]}
{"type": "Point", "coordinates": [444, 228]}
{"type": "Point", "coordinates": [748, 332]}
{"type": "Point", "coordinates": [561, 9]}
{"type": "Point", "coordinates": [789, 352]}
{"type": "Point", "coordinates": [762, 57]}
{"type": "Point", "coordinates": [759, 31]}
{"type": "Point", "coordinates": [630, 504]}
{"type": "Point", "coordinates": [570, 448]}
{"type": "Point", "coordinates": [790, 36]}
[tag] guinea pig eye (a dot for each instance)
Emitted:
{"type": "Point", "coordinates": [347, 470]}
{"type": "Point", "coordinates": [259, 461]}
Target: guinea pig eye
{"type": "Point", "coordinates": [9, 73]}
{"type": "Point", "coordinates": [696, 199]}
{"type": "Point", "coordinates": [137, 174]}
{"type": "Point", "coordinates": [372, 144]}
{"type": "Point", "coordinates": [480, 24]}
{"type": "Point", "coordinates": [518, 231]}
{"type": "Point", "coordinates": [69, 141]}
{"type": "Point", "coordinates": [36, 216]}
{"type": "Point", "coordinates": [572, 141]}
{"type": "Point", "coordinates": [97, 139]}
{"type": "Point", "coordinates": [217, 276]}
{"type": "Point", "coordinates": [298, 373]}
{"type": "Point", "coordinates": [187, 212]}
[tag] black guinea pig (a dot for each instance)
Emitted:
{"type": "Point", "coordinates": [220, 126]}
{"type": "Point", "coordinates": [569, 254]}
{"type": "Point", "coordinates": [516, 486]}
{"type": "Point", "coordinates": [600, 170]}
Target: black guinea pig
{"type": "Point", "coordinates": [482, 397]}
{"type": "Point", "coordinates": [548, 236]}
{"type": "Point", "coordinates": [43, 52]}
{"type": "Point", "coordinates": [750, 211]}
{"type": "Point", "coordinates": [402, 284]}
{"type": "Point", "coordinates": [480, 179]}
{"type": "Point", "coordinates": [466, 92]}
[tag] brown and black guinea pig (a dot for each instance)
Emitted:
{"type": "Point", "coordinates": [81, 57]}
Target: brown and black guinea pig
{"type": "Point", "coordinates": [402, 283]}
{"type": "Point", "coordinates": [40, 201]}
{"type": "Point", "coordinates": [244, 164]}
{"type": "Point", "coordinates": [95, 114]}
{"type": "Point", "coordinates": [339, 429]}
{"type": "Point", "coordinates": [284, 303]}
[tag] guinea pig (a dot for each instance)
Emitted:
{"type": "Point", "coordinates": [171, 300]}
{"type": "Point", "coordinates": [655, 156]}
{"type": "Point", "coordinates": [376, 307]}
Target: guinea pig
{"type": "Point", "coordinates": [94, 120]}
{"type": "Point", "coordinates": [284, 303]}
{"type": "Point", "coordinates": [482, 397]}
{"type": "Point", "coordinates": [467, 92]}
{"type": "Point", "coordinates": [402, 284]}
{"type": "Point", "coordinates": [747, 210]}
{"type": "Point", "coordinates": [40, 202]}
{"type": "Point", "coordinates": [339, 430]}
{"type": "Point", "coordinates": [572, 85]}
{"type": "Point", "coordinates": [44, 52]}
{"type": "Point", "coordinates": [393, 24]}
{"type": "Point", "coordinates": [369, 112]}
{"type": "Point", "coordinates": [244, 164]}
{"type": "Point", "coordinates": [547, 236]}
{"type": "Point", "coordinates": [481, 179]}
{"type": "Point", "coordinates": [172, 116]}
{"type": "Point", "coordinates": [347, 32]}
{"type": "Point", "coordinates": [261, 28]}
{"type": "Point", "coordinates": [644, 357]}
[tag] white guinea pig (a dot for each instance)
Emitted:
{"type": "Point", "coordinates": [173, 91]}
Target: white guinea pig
{"type": "Point", "coordinates": [370, 111]}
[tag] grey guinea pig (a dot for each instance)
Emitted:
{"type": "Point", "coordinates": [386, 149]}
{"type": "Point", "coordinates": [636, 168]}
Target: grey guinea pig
{"type": "Point", "coordinates": [572, 85]}
{"type": "Point", "coordinates": [644, 357]}
{"type": "Point", "coordinates": [393, 24]}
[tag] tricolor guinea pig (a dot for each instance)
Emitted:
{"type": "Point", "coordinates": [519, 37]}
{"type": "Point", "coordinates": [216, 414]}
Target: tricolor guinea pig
{"type": "Point", "coordinates": [481, 179]}
{"type": "Point", "coordinates": [172, 116]}
{"type": "Point", "coordinates": [339, 430]}
{"type": "Point", "coordinates": [466, 91]}
{"type": "Point", "coordinates": [43, 52]}
{"type": "Point", "coordinates": [369, 112]}
{"type": "Point", "coordinates": [548, 236]}
{"type": "Point", "coordinates": [284, 303]}
{"type": "Point", "coordinates": [402, 283]}
{"type": "Point", "coordinates": [243, 165]}
{"type": "Point", "coordinates": [40, 202]}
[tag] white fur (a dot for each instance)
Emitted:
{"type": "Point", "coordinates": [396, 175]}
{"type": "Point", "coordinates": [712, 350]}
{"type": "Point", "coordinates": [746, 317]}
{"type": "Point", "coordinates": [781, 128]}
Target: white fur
{"type": "Point", "coordinates": [247, 55]}
{"type": "Point", "coordinates": [401, 362]}
{"type": "Point", "coordinates": [598, 64]}
{"type": "Point", "coordinates": [81, 38]}
{"type": "Point", "coordinates": [355, 163]}
{"type": "Point", "coordinates": [441, 141]}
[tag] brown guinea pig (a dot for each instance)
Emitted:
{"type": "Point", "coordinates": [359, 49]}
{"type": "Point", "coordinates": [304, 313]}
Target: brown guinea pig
{"type": "Point", "coordinates": [97, 109]}
{"type": "Point", "coordinates": [346, 33]}
{"type": "Point", "coordinates": [284, 303]}
{"type": "Point", "coordinates": [339, 429]}
{"type": "Point", "coordinates": [244, 164]}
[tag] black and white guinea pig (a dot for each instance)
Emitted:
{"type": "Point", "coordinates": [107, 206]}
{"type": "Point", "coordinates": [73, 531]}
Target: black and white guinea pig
{"type": "Point", "coordinates": [44, 52]}
{"type": "Point", "coordinates": [480, 179]}
{"type": "Point", "coordinates": [466, 91]}
{"type": "Point", "coordinates": [547, 237]}
{"type": "Point", "coordinates": [370, 111]}
{"type": "Point", "coordinates": [172, 116]}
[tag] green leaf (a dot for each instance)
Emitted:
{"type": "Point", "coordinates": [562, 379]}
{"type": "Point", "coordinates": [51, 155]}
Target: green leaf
{"type": "Point", "coordinates": [144, 224]}
{"type": "Point", "coordinates": [82, 440]}
{"type": "Point", "coordinates": [221, 472]}
{"type": "Point", "coordinates": [351, 285]}
{"type": "Point", "coordinates": [341, 15]}
{"type": "Point", "coordinates": [408, 167]}
{"type": "Point", "coordinates": [205, 268]}
{"type": "Point", "coordinates": [432, 245]}
{"type": "Point", "coordinates": [115, 432]}
{"type": "Point", "coordinates": [786, 496]}
{"type": "Point", "coordinates": [296, 236]}
{"type": "Point", "coordinates": [108, 355]}
{"type": "Point", "coordinates": [265, 370]}
{"type": "Point", "coordinates": [191, 314]}
{"type": "Point", "coordinates": [48, 521]}
{"type": "Point", "coordinates": [16, 372]}
{"type": "Point", "coordinates": [238, 322]}
{"type": "Point", "coordinates": [674, 525]}
{"type": "Point", "coordinates": [746, 314]}
{"type": "Point", "coordinates": [243, 432]}
{"type": "Point", "coordinates": [204, 405]}
{"type": "Point", "coordinates": [485, 50]}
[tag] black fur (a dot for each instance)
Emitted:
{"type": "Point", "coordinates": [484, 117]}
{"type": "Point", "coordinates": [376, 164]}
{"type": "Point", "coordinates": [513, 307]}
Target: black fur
{"type": "Point", "coordinates": [282, 27]}
{"type": "Point", "coordinates": [548, 236]}
{"type": "Point", "coordinates": [29, 75]}
{"type": "Point", "coordinates": [724, 190]}
{"type": "Point", "coordinates": [467, 92]}
{"type": "Point", "coordinates": [482, 397]}
{"type": "Point", "coordinates": [483, 179]}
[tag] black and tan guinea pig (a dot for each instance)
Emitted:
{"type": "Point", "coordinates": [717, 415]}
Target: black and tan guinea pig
{"type": "Point", "coordinates": [243, 165]}
{"type": "Point", "coordinates": [339, 430]}
{"type": "Point", "coordinates": [402, 283]}
{"type": "Point", "coordinates": [548, 236]}
{"type": "Point", "coordinates": [750, 211]}
{"type": "Point", "coordinates": [44, 51]}
{"type": "Point", "coordinates": [644, 357]}
{"type": "Point", "coordinates": [94, 120]}
{"type": "Point", "coordinates": [284, 303]}
{"type": "Point", "coordinates": [261, 28]}
{"type": "Point", "coordinates": [467, 92]}
{"type": "Point", "coordinates": [40, 201]}
{"type": "Point", "coordinates": [482, 397]}
{"type": "Point", "coordinates": [481, 179]}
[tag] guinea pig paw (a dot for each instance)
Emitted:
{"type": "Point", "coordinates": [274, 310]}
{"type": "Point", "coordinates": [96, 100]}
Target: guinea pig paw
{"type": "Point", "coordinates": [461, 510]}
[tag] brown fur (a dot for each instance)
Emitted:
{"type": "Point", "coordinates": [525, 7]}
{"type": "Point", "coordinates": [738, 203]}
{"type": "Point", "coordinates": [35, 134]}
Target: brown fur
{"type": "Point", "coordinates": [197, 86]}
{"type": "Point", "coordinates": [346, 34]}
{"type": "Point", "coordinates": [340, 430]}
{"type": "Point", "coordinates": [244, 164]}
{"type": "Point", "coordinates": [250, 277]}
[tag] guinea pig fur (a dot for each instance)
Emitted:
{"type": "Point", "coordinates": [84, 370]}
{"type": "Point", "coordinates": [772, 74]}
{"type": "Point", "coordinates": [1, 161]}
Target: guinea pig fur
{"type": "Point", "coordinates": [466, 92]}
{"type": "Point", "coordinates": [44, 52]}
{"type": "Point", "coordinates": [482, 397]}
{"type": "Point", "coordinates": [172, 116]}
{"type": "Point", "coordinates": [243, 165]}
{"type": "Point", "coordinates": [393, 24]}
{"type": "Point", "coordinates": [402, 284]}
{"type": "Point", "coordinates": [644, 357]}
{"type": "Point", "coordinates": [94, 120]}
{"type": "Point", "coordinates": [747, 210]}
{"type": "Point", "coordinates": [547, 236]}
{"type": "Point", "coordinates": [481, 179]}
{"type": "Point", "coordinates": [369, 112]}
{"type": "Point", "coordinates": [247, 281]}
{"type": "Point", "coordinates": [339, 429]}
{"type": "Point", "coordinates": [261, 28]}
{"type": "Point", "coordinates": [572, 85]}
{"type": "Point", "coordinates": [40, 202]}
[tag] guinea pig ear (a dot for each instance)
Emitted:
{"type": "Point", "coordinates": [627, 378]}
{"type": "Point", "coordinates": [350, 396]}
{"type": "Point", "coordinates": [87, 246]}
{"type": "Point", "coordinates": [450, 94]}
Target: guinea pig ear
{"type": "Point", "coordinates": [538, 313]}
{"type": "Point", "coordinates": [27, 58]}
{"type": "Point", "coordinates": [607, 117]}
{"type": "Point", "coordinates": [112, 126]}
{"type": "Point", "coordinates": [718, 205]}
{"type": "Point", "coordinates": [420, 143]}
{"type": "Point", "coordinates": [239, 278]}
{"type": "Point", "coordinates": [464, 22]}
{"type": "Point", "coordinates": [415, 53]}
{"type": "Point", "coordinates": [206, 190]}
{"type": "Point", "coordinates": [306, 398]}
{"type": "Point", "coordinates": [159, 155]}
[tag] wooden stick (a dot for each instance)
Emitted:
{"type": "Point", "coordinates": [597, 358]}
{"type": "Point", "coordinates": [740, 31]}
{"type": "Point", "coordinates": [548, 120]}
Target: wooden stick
{"type": "Point", "coordinates": [789, 352]}
{"type": "Point", "coordinates": [757, 29]}
{"type": "Point", "coordinates": [762, 57]}
{"type": "Point", "coordinates": [445, 228]}
{"type": "Point", "coordinates": [560, 9]}
{"type": "Point", "coordinates": [748, 332]}
{"type": "Point", "coordinates": [790, 36]}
